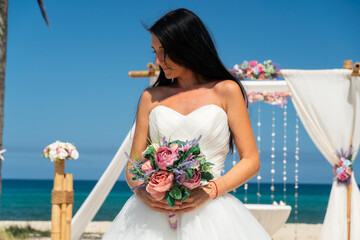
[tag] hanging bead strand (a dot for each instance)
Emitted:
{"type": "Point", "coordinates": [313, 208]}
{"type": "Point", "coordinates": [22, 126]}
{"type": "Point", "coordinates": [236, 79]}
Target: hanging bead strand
{"type": "Point", "coordinates": [272, 188]}
{"type": "Point", "coordinates": [234, 163]}
{"type": "Point", "coordinates": [259, 150]}
{"type": "Point", "coordinates": [285, 152]}
{"type": "Point", "coordinates": [296, 170]}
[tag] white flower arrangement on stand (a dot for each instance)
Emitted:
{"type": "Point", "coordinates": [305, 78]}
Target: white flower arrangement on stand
{"type": "Point", "coordinates": [62, 195]}
{"type": "Point", "coordinates": [58, 151]}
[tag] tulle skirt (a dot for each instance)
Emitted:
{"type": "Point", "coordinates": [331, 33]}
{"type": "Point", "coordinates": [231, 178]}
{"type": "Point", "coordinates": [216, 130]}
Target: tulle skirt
{"type": "Point", "coordinates": [223, 218]}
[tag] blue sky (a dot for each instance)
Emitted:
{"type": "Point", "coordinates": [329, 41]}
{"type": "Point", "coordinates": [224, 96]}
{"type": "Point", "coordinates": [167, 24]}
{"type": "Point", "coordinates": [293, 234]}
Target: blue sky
{"type": "Point", "coordinates": [71, 82]}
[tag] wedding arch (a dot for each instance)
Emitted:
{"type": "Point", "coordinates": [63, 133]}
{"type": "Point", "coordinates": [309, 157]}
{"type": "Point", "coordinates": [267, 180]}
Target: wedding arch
{"type": "Point", "coordinates": [328, 104]}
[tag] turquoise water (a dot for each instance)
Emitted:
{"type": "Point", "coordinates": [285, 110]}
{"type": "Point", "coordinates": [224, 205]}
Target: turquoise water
{"type": "Point", "coordinates": [30, 199]}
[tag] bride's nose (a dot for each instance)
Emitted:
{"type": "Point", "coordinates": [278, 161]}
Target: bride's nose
{"type": "Point", "coordinates": [159, 59]}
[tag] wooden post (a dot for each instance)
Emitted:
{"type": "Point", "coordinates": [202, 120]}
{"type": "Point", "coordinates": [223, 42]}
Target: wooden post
{"type": "Point", "coordinates": [56, 208]}
{"type": "Point", "coordinates": [152, 72]}
{"type": "Point", "coordinates": [348, 214]}
{"type": "Point", "coordinates": [356, 70]}
{"type": "Point", "coordinates": [62, 199]}
{"type": "Point", "coordinates": [347, 64]}
{"type": "Point", "coordinates": [69, 189]}
{"type": "Point", "coordinates": [63, 212]}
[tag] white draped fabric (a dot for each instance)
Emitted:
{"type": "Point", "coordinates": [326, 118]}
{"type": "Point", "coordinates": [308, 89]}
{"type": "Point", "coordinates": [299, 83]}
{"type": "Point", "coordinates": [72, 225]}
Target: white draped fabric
{"type": "Point", "coordinates": [271, 217]}
{"type": "Point", "coordinates": [101, 190]}
{"type": "Point", "coordinates": [328, 104]}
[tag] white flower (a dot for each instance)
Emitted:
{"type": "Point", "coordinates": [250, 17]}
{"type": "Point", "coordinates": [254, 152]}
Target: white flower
{"type": "Point", "coordinates": [54, 145]}
{"type": "Point", "coordinates": [61, 144]}
{"type": "Point", "coordinates": [58, 153]}
{"type": "Point", "coordinates": [52, 154]}
{"type": "Point", "coordinates": [70, 147]}
{"type": "Point", "coordinates": [1, 152]}
{"type": "Point", "coordinates": [62, 154]}
{"type": "Point", "coordinates": [74, 154]}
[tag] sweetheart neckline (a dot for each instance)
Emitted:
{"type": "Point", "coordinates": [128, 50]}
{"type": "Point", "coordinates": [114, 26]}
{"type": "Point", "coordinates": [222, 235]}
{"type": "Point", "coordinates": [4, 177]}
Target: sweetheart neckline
{"type": "Point", "coordinates": [195, 110]}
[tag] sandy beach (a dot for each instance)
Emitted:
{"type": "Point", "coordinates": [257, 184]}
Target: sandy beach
{"type": "Point", "coordinates": [95, 230]}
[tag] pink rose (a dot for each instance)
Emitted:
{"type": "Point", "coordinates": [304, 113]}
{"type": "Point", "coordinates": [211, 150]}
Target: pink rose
{"type": "Point", "coordinates": [342, 176]}
{"type": "Point", "coordinates": [147, 166]}
{"type": "Point", "coordinates": [165, 157]}
{"type": "Point", "coordinates": [194, 181]}
{"type": "Point", "coordinates": [253, 63]}
{"type": "Point", "coordinates": [160, 182]}
{"type": "Point", "coordinates": [348, 171]}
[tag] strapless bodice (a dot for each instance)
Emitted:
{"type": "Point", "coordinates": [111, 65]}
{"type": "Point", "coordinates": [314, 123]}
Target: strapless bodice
{"type": "Point", "coordinates": [209, 121]}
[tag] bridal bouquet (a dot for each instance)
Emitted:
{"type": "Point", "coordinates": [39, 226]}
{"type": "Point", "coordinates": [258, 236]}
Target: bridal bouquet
{"type": "Point", "coordinates": [170, 170]}
{"type": "Point", "coordinates": [343, 169]}
{"type": "Point", "coordinates": [58, 151]}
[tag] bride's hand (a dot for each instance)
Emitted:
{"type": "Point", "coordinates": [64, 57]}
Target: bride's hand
{"type": "Point", "coordinates": [156, 205]}
{"type": "Point", "coordinates": [198, 197]}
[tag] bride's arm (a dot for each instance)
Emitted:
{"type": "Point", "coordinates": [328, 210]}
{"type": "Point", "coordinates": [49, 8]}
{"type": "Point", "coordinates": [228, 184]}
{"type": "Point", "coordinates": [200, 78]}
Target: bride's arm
{"type": "Point", "coordinates": [138, 146]}
{"type": "Point", "coordinates": [140, 135]}
{"type": "Point", "coordinates": [244, 140]}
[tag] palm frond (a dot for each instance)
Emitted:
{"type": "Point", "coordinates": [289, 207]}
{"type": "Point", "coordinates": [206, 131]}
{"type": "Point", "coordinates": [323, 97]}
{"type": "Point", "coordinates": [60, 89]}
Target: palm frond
{"type": "Point", "coordinates": [43, 12]}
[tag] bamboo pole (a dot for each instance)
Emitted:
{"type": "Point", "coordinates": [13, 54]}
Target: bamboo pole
{"type": "Point", "coordinates": [151, 72]}
{"type": "Point", "coordinates": [348, 214]}
{"type": "Point", "coordinates": [356, 70]}
{"type": "Point", "coordinates": [56, 208]}
{"type": "Point", "coordinates": [347, 64]}
{"type": "Point", "coordinates": [63, 212]}
{"type": "Point", "coordinates": [69, 188]}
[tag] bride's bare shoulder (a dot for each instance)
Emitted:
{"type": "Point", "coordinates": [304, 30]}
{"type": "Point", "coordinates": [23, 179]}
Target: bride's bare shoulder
{"type": "Point", "coordinates": [227, 89]}
{"type": "Point", "coordinates": [152, 96]}
{"type": "Point", "coordinates": [229, 92]}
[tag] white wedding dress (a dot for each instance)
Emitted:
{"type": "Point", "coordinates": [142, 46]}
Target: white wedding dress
{"type": "Point", "coordinates": [223, 218]}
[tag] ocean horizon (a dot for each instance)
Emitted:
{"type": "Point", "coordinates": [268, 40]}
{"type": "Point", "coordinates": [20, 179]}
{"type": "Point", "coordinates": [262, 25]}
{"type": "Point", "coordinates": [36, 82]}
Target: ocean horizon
{"type": "Point", "coordinates": [30, 200]}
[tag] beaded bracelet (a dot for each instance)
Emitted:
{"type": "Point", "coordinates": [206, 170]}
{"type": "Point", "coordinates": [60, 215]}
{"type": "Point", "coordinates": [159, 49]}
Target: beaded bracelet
{"type": "Point", "coordinates": [216, 190]}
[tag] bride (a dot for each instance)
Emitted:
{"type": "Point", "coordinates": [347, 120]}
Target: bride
{"type": "Point", "coordinates": [194, 95]}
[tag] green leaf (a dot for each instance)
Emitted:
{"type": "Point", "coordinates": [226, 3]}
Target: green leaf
{"type": "Point", "coordinates": [186, 194]}
{"type": "Point", "coordinates": [169, 199]}
{"type": "Point", "coordinates": [153, 163]}
{"type": "Point", "coordinates": [175, 192]}
{"type": "Point", "coordinates": [196, 150]}
{"type": "Point", "coordinates": [207, 176]}
{"type": "Point", "coordinates": [189, 173]}
{"type": "Point", "coordinates": [176, 162]}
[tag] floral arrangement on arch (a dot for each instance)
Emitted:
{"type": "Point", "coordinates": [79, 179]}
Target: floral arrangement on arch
{"type": "Point", "coordinates": [58, 151]}
{"type": "Point", "coordinates": [255, 70]}
{"type": "Point", "coordinates": [343, 169]}
{"type": "Point", "coordinates": [273, 98]}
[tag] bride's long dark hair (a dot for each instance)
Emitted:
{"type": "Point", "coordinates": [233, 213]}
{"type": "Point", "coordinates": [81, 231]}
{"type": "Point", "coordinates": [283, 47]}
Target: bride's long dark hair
{"type": "Point", "coordinates": [187, 42]}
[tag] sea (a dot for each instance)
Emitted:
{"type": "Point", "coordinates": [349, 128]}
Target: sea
{"type": "Point", "coordinates": [30, 200]}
